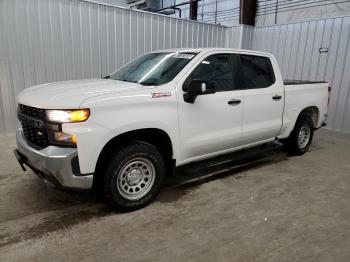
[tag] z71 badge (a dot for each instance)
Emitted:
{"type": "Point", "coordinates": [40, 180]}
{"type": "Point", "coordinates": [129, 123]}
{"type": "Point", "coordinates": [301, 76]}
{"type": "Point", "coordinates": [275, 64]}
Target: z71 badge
{"type": "Point", "coordinates": [160, 94]}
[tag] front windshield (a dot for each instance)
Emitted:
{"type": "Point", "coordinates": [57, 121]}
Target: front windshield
{"type": "Point", "coordinates": [153, 68]}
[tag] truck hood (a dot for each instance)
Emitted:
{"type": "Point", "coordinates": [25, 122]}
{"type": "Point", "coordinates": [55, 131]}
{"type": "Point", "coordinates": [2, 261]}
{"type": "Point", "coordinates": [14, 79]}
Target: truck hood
{"type": "Point", "coordinates": [70, 94]}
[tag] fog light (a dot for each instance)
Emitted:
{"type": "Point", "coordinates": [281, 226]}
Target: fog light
{"type": "Point", "coordinates": [63, 137]}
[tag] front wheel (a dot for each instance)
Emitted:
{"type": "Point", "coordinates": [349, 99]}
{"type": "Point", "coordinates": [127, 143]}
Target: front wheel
{"type": "Point", "coordinates": [300, 139]}
{"type": "Point", "coordinates": [134, 176]}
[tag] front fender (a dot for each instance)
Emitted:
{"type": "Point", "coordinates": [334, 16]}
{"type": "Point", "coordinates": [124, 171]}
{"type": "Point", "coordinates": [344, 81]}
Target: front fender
{"type": "Point", "coordinates": [91, 139]}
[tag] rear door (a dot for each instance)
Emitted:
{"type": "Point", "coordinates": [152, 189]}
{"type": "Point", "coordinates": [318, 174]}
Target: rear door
{"type": "Point", "coordinates": [263, 99]}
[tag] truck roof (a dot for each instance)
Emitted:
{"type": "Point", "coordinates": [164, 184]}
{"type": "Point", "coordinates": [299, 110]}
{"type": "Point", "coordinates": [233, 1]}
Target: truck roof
{"type": "Point", "coordinates": [205, 50]}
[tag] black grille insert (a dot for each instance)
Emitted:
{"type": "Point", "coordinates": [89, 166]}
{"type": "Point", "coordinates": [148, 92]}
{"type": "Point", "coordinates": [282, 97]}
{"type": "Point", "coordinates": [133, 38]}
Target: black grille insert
{"type": "Point", "coordinates": [32, 111]}
{"type": "Point", "coordinates": [35, 136]}
{"type": "Point", "coordinates": [38, 137]}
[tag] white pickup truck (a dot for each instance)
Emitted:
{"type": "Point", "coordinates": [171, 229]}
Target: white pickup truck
{"type": "Point", "coordinates": [124, 134]}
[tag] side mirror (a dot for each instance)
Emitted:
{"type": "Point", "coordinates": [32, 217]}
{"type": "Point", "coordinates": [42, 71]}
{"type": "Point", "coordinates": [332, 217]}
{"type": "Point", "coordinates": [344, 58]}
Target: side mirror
{"type": "Point", "coordinates": [197, 87]}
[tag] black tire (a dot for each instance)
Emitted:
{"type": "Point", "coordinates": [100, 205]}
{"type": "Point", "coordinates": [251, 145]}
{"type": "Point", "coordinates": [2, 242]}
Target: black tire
{"type": "Point", "coordinates": [122, 160]}
{"type": "Point", "coordinates": [291, 144]}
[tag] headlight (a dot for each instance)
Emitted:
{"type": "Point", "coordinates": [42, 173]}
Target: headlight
{"type": "Point", "coordinates": [67, 116]}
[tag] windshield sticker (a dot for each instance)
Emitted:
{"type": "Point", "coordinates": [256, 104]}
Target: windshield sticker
{"type": "Point", "coordinates": [183, 56]}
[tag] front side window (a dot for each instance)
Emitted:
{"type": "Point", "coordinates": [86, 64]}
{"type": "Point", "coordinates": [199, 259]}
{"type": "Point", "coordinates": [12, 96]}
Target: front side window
{"type": "Point", "coordinates": [256, 72]}
{"type": "Point", "coordinates": [153, 68]}
{"type": "Point", "coordinates": [216, 69]}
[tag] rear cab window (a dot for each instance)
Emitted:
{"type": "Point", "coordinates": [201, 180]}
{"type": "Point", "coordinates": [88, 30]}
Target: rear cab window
{"type": "Point", "coordinates": [255, 72]}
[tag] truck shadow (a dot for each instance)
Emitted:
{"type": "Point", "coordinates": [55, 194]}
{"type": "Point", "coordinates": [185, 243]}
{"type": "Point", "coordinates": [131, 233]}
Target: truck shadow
{"type": "Point", "coordinates": [230, 165]}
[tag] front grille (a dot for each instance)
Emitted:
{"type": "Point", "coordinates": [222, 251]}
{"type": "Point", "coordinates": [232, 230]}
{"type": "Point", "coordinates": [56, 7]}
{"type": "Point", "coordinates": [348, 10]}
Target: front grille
{"type": "Point", "coordinates": [32, 111]}
{"type": "Point", "coordinates": [36, 136]}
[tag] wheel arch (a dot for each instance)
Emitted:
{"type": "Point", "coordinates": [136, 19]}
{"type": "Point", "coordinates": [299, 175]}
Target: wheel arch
{"type": "Point", "coordinates": [313, 112]}
{"type": "Point", "coordinates": [291, 118]}
{"type": "Point", "coordinates": [153, 136]}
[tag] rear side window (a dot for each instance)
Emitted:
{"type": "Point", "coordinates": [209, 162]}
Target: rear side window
{"type": "Point", "coordinates": [256, 72]}
{"type": "Point", "coordinates": [218, 69]}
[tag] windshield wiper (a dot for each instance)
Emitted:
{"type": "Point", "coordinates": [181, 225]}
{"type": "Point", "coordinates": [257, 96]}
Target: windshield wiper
{"type": "Point", "coordinates": [120, 79]}
{"type": "Point", "coordinates": [124, 80]}
{"type": "Point", "coordinates": [147, 83]}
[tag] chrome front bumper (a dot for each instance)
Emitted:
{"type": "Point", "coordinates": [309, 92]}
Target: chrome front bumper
{"type": "Point", "coordinates": [53, 164]}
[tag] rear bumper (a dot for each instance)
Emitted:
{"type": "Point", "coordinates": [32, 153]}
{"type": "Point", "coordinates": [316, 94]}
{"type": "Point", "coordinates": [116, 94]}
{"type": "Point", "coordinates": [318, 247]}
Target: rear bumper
{"type": "Point", "coordinates": [53, 164]}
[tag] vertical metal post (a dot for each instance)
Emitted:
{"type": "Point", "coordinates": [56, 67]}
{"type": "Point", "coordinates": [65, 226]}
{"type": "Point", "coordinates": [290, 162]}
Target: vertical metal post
{"type": "Point", "coordinates": [276, 12]}
{"type": "Point", "coordinates": [193, 9]}
{"type": "Point", "coordinates": [247, 12]}
{"type": "Point", "coordinates": [202, 14]}
{"type": "Point", "coordinates": [216, 11]}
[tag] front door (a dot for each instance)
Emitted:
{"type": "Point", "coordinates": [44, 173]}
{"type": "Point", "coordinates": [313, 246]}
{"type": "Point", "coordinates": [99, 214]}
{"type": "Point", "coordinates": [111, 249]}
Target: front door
{"type": "Point", "coordinates": [213, 123]}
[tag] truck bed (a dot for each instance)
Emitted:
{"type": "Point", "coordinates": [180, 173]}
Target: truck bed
{"type": "Point", "coordinates": [300, 95]}
{"type": "Point", "coordinates": [301, 82]}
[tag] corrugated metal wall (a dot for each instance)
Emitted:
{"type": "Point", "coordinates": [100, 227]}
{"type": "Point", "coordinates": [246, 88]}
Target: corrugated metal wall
{"type": "Point", "coordinates": [296, 47]}
{"type": "Point", "coordinates": [233, 37]}
{"type": "Point", "coordinates": [53, 40]}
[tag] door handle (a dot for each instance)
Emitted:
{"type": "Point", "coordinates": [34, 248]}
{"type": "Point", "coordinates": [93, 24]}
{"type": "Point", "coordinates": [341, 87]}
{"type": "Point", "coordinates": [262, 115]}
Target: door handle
{"type": "Point", "coordinates": [234, 102]}
{"type": "Point", "coordinates": [276, 97]}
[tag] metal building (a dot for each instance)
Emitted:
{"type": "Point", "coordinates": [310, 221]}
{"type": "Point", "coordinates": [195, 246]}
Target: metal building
{"type": "Point", "coordinates": [53, 40]}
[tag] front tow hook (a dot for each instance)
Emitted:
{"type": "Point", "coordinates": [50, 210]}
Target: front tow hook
{"type": "Point", "coordinates": [20, 159]}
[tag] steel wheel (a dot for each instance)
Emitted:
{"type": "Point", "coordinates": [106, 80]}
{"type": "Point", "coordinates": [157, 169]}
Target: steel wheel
{"type": "Point", "coordinates": [136, 178]}
{"type": "Point", "coordinates": [304, 136]}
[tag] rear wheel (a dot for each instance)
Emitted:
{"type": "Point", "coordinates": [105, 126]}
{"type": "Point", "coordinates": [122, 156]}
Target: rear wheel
{"type": "Point", "coordinates": [301, 137]}
{"type": "Point", "coordinates": [134, 176]}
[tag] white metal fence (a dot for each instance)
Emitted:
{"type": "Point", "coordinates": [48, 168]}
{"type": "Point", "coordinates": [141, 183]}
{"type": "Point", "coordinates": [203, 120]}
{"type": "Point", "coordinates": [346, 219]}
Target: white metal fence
{"type": "Point", "coordinates": [297, 49]}
{"type": "Point", "coordinates": [53, 40]}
